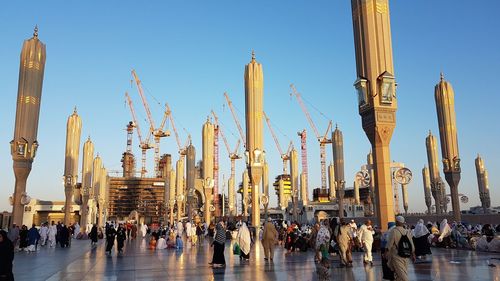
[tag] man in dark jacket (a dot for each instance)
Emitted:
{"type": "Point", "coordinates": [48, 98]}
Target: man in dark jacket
{"type": "Point", "coordinates": [121, 236]}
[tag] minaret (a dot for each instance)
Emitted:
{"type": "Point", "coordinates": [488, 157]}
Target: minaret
{"type": "Point", "coordinates": [338, 159]}
{"type": "Point", "coordinates": [482, 183]}
{"type": "Point", "coordinates": [427, 189]}
{"type": "Point", "coordinates": [376, 91]}
{"type": "Point", "coordinates": [73, 133]}
{"type": "Point", "coordinates": [24, 144]}
{"type": "Point", "coordinates": [437, 185]}
{"type": "Point", "coordinates": [294, 181]}
{"type": "Point", "coordinates": [88, 158]}
{"type": "Point", "coordinates": [254, 85]}
{"type": "Point", "coordinates": [445, 107]}
{"type": "Point", "coordinates": [208, 167]}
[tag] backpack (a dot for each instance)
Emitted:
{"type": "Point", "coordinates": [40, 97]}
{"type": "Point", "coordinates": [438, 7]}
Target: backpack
{"type": "Point", "coordinates": [404, 246]}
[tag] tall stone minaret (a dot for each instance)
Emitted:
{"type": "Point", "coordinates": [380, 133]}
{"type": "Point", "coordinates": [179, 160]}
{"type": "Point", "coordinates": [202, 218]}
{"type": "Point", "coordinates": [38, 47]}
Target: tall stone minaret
{"type": "Point", "coordinates": [73, 133]}
{"type": "Point", "coordinates": [482, 183]}
{"type": "Point", "coordinates": [445, 107]}
{"type": "Point", "coordinates": [24, 144]}
{"type": "Point", "coordinates": [254, 106]}
{"type": "Point", "coordinates": [376, 93]}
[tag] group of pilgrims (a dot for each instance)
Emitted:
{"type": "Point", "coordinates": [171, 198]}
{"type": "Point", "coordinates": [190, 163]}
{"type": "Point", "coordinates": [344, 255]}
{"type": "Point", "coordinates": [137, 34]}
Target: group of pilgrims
{"type": "Point", "coordinates": [329, 239]}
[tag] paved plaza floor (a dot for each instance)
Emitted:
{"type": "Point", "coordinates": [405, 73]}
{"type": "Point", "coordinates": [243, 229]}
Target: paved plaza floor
{"type": "Point", "coordinates": [83, 262]}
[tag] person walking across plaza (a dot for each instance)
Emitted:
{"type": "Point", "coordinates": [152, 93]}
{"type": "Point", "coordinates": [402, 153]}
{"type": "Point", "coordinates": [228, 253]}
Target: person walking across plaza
{"type": "Point", "coordinates": [400, 249]}
{"type": "Point", "coordinates": [365, 234]}
{"type": "Point", "coordinates": [44, 230]}
{"type": "Point", "coordinates": [269, 237]}
{"type": "Point", "coordinates": [51, 235]}
{"type": "Point", "coordinates": [188, 231]}
{"type": "Point", "coordinates": [93, 235]}
{"type": "Point", "coordinates": [244, 240]}
{"type": "Point", "coordinates": [110, 238]}
{"type": "Point", "coordinates": [121, 236]}
{"type": "Point", "coordinates": [6, 257]}
{"type": "Point", "coordinates": [218, 259]}
{"type": "Point", "coordinates": [14, 235]}
{"type": "Point", "coordinates": [420, 240]}
{"type": "Point", "coordinates": [322, 241]}
{"type": "Point", "coordinates": [33, 237]}
{"type": "Point", "coordinates": [344, 241]}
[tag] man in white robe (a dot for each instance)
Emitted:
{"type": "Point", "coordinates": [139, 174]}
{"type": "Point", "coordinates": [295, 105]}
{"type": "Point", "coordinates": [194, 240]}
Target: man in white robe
{"type": "Point", "coordinates": [180, 229]}
{"type": "Point", "coordinates": [52, 235]}
{"type": "Point", "coordinates": [161, 243]}
{"type": "Point", "coordinates": [188, 230]}
{"type": "Point", "coordinates": [44, 230]}
{"type": "Point", "coordinates": [77, 230]}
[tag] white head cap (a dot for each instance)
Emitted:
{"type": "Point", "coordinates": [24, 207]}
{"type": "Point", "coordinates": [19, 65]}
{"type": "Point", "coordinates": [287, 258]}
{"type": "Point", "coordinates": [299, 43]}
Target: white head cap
{"type": "Point", "coordinates": [400, 219]}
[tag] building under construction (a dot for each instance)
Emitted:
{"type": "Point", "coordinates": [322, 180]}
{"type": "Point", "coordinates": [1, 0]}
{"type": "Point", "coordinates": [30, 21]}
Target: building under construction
{"type": "Point", "coordinates": [132, 197]}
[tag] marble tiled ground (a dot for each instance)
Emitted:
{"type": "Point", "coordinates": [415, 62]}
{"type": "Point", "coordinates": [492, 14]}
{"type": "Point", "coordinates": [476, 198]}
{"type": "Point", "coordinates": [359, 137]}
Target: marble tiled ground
{"type": "Point", "coordinates": [83, 262]}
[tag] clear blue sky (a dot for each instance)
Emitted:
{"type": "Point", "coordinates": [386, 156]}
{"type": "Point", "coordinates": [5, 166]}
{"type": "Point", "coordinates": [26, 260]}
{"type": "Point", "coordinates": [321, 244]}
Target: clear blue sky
{"type": "Point", "coordinates": [189, 52]}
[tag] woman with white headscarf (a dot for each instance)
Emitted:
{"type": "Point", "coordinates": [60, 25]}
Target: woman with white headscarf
{"type": "Point", "coordinates": [445, 232]}
{"type": "Point", "coordinates": [244, 241]}
{"type": "Point", "coordinates": [420, 235]}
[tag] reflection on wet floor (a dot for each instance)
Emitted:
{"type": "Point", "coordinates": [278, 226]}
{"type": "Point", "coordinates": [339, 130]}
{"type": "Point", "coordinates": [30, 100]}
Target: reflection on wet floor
{"type": "Point", "coordinates": [82, 262]}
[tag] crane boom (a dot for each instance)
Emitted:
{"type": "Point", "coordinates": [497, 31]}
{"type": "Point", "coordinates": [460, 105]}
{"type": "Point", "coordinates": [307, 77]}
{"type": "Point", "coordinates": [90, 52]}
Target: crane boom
{"type": "Point", "coordinates": [177, 139]}
{"type": "Point", "coordinates": [143, 98]}
{"type": "Point", "coordinates": [273, 134]}
{"type": "Point", "coordinates": [235, 117]}
{"type": "Point", "coordinates": [136, 124]}
{"type": "Point", "coordinates": [226, 144]}
{"type": "Point", "coordinates": [304, 109]}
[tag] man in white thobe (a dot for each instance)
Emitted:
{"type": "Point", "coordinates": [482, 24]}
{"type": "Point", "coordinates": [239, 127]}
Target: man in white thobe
{"type": "Point", "coordinates": [44, 230]}
{"type": "Point", "coordinates": [365, 234]}
{"type": "Point", "coordinates": [52, 235]}
{"type": "Point", "coordinates": [180, 229]}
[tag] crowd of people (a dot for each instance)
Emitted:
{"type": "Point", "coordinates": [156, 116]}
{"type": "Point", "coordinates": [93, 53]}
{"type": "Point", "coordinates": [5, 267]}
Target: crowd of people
{"type": "Point", "coordinates": [329, 239]}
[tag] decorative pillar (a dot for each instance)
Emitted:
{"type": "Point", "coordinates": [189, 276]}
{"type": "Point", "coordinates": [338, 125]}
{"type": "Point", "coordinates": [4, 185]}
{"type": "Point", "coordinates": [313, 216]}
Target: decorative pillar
{"type": "Point", "coordinates": [88, 158]}
{"type": "Point", "coordinates": [231, 196]}
{"type": "Point", "coordinates": [73, 132]}
{"type": "Point", "coordinates": [303, 189]}
{"type": "Point", "coordinates": [179, 184]}
{"type": "Point", "coordinates": [376, 91]}
{"type": "Point", "coordinates": [294, 181]}
{"type": "Point", "coordinates": [482, 183]}
{"type": "Point", "coordinates": [357, 201]}
{"type": "Point", "coordinates": [331, 182]}
{"type": "Point", "coordinates": [190, 181]}
{"type": "Point", "coordinates": [254, 85]}
{"type": "Point", "coordinates": [171, 196]}
{"type": "Point", "coordinates": [208, 167]}
{"type": "Point", "coordinates": [338, 159]}
{"type": "Point", "coordinates": [371, 169]}
{"type": "Point", "coordinates": [445, 107]}
{"type": "Point", "coordinates": [24, 145]}
{"type": "Point", "coordinates": [437, 186]}
{"type": "Point", "coordinates": [96, 183]}
{"type": "Point", "coordinates": [244, 197]}
{"type": "Point", "coordinates": [427, 189]}
{"type": "Point", "coordinates": [265, 188]}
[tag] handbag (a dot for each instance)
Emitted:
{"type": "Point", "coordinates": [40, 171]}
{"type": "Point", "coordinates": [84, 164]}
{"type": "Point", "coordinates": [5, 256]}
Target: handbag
{"type": "Point", "coordinates": [236, 249]}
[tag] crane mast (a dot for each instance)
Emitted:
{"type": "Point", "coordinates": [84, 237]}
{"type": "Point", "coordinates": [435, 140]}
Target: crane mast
{"type": "Point", "coordinates": [323, 140]}
{"type": "Point", "coordinates": [144, 145]}
{"type": "Point", "coordinates": [232, 155]}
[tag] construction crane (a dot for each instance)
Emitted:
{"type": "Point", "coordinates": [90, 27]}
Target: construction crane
{"type": "Point", "coordinates": [235, 117]}
{"type": "Point", "coordinates": [182, 149]}
{"type": "Point", "coordinates": [157, 132]}
{"type": "Point", "coordinates": [303, 151]}
{"type": "Point", "coordinates": [284, 156]}
{"type": "Point", "coordinates": [233, 156]}
{"type": "Point", "coordinates": [323, 140]}
{"type": "Point", "coordinates": [144, 145]}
